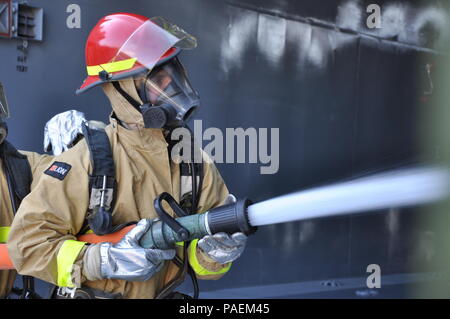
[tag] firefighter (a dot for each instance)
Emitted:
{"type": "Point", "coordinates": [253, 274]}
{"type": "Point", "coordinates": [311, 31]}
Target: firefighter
{"type": "Point", "coordinates": [19, 170]}
{"type": "Point", "coordinates": [135, 61]}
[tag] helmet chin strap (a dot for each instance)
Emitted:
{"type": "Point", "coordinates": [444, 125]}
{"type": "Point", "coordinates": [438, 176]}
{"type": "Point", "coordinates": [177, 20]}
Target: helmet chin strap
{"type": "Point", "coordinates": [154, 117]}
{"type": "Point", "coordinates": [126, 96]}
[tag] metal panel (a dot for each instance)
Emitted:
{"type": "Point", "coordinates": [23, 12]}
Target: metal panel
{"type": "Point", "coordinates": [28, 22]}
{"type": "Point", "coordinates": [5, 18]}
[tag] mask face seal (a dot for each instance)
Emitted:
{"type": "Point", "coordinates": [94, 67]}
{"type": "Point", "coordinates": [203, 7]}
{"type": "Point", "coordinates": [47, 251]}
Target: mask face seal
{"type": "Point", "coordinates": [169, 99]}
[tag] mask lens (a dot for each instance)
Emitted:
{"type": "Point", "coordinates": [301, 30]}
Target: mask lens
{"type": "Point", "coordinates": [158, 86]}
{"type": "Point", "coordinates": [168, 84]}
{"type": "Point", "coordinates": [167, 88]}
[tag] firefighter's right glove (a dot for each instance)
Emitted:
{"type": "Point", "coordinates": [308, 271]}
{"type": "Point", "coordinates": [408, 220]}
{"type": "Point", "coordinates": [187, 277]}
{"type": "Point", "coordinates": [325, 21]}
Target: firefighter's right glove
{"type": "Point", "coordinates": [126, 260]}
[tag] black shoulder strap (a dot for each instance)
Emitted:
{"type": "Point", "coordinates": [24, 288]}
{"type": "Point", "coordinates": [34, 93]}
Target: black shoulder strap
{"type": "Point", "coordinates": [191, 176]}
{"type": "Point", "coordinates": [18, 171]}
{"type": "Point", "coordinates": [191, 180]}
{"type": "Point", "coordinates": [100, 151]}
{"type": "Point", "coordinates": [101, 182]}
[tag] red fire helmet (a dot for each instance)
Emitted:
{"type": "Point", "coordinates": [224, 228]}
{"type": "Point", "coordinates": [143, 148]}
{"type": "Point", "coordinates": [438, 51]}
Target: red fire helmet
{"type": "Point", "coordinates": [124, 44]}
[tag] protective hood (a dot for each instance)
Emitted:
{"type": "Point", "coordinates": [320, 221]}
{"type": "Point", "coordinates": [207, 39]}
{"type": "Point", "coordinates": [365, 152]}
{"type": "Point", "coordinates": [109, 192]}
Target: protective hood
{"type": "Point", "coordinates": [124, 111]}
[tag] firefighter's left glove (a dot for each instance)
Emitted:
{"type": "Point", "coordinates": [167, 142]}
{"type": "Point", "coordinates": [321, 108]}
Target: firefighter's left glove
{"type": "Point", "coordinates": [126, 260]}
{"type": "Point", "coordinates": [223, 248]}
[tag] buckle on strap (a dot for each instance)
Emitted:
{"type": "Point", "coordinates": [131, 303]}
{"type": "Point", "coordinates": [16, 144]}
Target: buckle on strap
{"type": "Point", "coordinates": [66, 292]}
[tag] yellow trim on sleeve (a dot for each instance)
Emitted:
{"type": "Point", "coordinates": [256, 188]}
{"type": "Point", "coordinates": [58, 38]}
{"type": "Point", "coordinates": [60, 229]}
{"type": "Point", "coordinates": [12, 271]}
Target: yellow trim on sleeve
{"type": "Point", "coordinates": [199, 269]}
{"type": "Point", "coordinates": [4, 233]}
{"type": "Point", "coordinates": [65, 259]}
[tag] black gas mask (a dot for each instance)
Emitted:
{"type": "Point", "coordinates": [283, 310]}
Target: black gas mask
{"type": "Point", "coordinates": [168, 97]}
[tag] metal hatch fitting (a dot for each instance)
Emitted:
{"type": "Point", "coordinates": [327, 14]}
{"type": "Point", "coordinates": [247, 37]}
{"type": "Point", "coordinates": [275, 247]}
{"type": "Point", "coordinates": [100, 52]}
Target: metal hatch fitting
{"type": "Point", "coordinates": [21, 21]}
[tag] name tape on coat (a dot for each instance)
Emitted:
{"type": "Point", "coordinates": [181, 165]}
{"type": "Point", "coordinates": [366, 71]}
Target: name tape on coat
{"type": "Point", "coordinates": [58, 170]}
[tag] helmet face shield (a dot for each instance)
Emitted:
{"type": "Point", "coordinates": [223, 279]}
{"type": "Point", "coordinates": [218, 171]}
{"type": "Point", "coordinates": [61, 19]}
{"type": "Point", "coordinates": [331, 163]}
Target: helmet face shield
{"type": "Point", "coordinates": [147, 44]}
{"type": "Point", "coordinates": [168, 87]}
{"type": "Point", "coordinates": [185, 40]}
{"type": "Point", "coordinates": [4, 110]}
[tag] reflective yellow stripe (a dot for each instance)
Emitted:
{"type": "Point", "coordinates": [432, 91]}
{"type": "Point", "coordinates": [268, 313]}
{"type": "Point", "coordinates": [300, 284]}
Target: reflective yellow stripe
{"type": "Point", "coordinates": [180, 243]}
{"type": "Point", "coordinates": [199, 269]}
{"type": "Point", "coordinates": [4, 232]}
{"type": "Point", "coordinates": [111, 67]}
{"type": "Point", "coordinates": [66, 257]}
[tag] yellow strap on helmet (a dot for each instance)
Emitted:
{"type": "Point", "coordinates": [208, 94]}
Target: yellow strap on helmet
{"type": "Point", "coordinates": [111, 67]}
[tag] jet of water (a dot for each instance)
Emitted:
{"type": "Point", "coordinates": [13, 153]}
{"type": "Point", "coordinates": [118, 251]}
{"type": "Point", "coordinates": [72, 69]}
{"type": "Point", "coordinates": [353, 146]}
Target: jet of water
{"type": "Point", "coordinates": [405, 187]}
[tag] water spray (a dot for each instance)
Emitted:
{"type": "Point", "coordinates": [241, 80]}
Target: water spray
{"type": "Point", "coordinates": [400, 188]}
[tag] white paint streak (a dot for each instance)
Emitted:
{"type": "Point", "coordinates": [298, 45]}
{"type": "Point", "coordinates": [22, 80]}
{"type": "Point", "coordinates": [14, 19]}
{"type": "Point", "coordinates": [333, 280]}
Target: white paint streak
{"type": "Point", "coordinates": [393, 221]}
{"type": "Point", "coordinates": [241, 31]}
{"type": "Point", "coordinates": [319, 49]}
{"type": "Point", "coordinates": [271, 38]}
{"type": "Point", "coordinates": [349, 15]}
{"type": "Point", "coordinates": [314, 45]}
{"type": "Point", "coordinates": [393, 21]}
{"type": "Point", "coordinates": [435, 18]}
{"type": "Point", "coordinates": [299, 38]}
{"type": "Point", "coordinates": [307, 231]}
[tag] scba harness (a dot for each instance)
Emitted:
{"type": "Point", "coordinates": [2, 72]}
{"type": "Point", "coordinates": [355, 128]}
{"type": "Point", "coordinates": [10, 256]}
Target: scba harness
{"type": "Point", "coordinates": [102, 184]}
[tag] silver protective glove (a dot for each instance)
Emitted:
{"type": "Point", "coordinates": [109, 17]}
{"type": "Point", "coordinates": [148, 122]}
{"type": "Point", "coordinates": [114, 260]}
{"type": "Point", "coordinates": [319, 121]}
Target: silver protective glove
{"type": "Point", "coordinates": [127, 260]}
{"type": "Point", "coordinates": [222, 247]}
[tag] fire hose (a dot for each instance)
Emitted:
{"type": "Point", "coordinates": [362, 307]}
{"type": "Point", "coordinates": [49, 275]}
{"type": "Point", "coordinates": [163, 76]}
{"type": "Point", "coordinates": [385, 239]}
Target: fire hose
{"type": "Point", "coordinates": [401, 188]}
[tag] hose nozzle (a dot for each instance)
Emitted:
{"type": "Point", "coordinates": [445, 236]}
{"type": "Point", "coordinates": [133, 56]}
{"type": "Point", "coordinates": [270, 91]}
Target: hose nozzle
{"type": "Point", "coordinates": [230, 218]}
